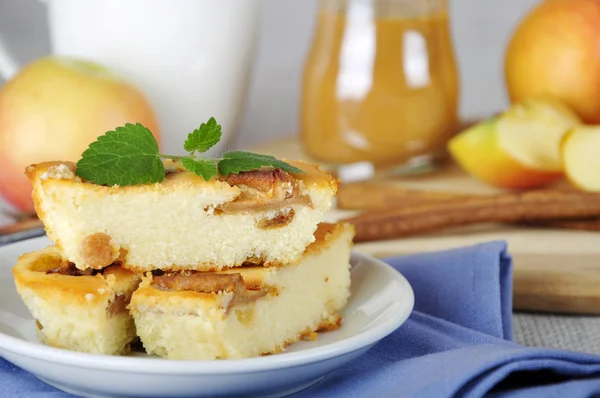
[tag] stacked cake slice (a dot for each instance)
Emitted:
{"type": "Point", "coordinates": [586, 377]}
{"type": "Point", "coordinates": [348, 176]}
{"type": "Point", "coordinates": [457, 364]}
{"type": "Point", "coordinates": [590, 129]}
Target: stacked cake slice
{"type": "Point", "coordinates": [234, 267]}
{"type": "Point", "coordinates": [81, 311]}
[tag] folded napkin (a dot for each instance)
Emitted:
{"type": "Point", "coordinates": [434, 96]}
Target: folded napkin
{"type": "Point", "coordinates": [457, 343]}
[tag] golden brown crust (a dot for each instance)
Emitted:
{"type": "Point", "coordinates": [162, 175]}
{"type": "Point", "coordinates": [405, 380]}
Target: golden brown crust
{"type": "Point", "coordinates": [181, 178]}
{"type": "Point", "coordinates": [330, 324]}
{"type": "Point", "coordinates": [30, 272]}
{"type": "Point", "coordinates": [312, 174]}
{"type": "Point", "coordinates": [35, 171]}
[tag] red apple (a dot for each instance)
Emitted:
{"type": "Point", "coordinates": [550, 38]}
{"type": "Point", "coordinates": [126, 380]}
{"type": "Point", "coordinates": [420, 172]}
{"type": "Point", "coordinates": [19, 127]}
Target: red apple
{"type": "Point", "coordinates": [555, 52]}
{"type": "Point", "coordinates": [53, 109]}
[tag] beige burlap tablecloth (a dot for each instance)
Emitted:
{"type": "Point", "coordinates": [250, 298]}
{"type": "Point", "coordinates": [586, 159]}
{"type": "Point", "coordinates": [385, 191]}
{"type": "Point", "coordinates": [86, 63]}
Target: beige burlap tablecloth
{"type": "Point", "coordinates": [568, 332]}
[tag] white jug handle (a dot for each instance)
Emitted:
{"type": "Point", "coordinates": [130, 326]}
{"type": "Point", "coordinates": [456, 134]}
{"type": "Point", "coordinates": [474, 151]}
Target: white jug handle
{"type": "Point", "coordinates": [8, 64]}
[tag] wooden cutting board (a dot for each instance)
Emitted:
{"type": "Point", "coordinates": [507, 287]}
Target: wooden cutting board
{"type": "Point", "coordinates": [554, 270]}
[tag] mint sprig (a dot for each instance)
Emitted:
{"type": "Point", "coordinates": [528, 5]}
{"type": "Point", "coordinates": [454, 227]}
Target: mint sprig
{"type": "Point", "coordinates": [129, 155]}
{"type": "Point", "coordinates": [126, 156]}
{"type": "Point", "coordinates": [235, 162]}
{"type": "Point", "coordinates": [204, 137]}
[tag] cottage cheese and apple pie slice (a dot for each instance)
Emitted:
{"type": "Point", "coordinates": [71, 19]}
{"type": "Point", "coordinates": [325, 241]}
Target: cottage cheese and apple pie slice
{"type": "Point", "coordinates": [246, 311]}
{"type": "Point", "coordinates": [265, 216]}
{"type": "Point", "coordinates": [77, 310]}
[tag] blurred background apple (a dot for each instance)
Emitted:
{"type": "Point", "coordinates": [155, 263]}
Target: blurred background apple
{"type": "Point", "coordinates": [52, 109]}
{"type": "Point", "coordinates": [554, 51]}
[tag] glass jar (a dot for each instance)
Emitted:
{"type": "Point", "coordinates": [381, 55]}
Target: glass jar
{"type": "Point", "coordinates": [380, 84]}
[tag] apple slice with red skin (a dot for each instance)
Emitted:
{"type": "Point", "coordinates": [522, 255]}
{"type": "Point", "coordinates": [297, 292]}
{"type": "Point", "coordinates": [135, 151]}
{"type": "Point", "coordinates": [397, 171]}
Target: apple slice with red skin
{"type": "Point", "coordinates": [519, 148]}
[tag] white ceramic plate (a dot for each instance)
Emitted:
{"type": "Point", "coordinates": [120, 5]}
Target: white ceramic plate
{"type": "Point", "coordinates": [380, 302]}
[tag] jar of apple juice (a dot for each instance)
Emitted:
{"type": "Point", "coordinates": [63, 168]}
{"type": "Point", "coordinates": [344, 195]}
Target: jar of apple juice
{"type": "Point", "coordinates": [380, 84]}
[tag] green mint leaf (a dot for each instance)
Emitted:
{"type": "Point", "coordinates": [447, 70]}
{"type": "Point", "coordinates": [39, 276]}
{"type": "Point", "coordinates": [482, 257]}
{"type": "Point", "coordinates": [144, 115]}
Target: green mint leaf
{"type": "Point", "coordinates": [204, 137]}
{"type": "Point", "coordinates": [129, 156]}
{"type": "Point", "coordinates": [237, 161]}
{"type": "Point", "coordinates": [206, 168]}
{"type": "Point", "coordinates": [266, 159]}
{"type": "Point", "coordinates": [126, 156]}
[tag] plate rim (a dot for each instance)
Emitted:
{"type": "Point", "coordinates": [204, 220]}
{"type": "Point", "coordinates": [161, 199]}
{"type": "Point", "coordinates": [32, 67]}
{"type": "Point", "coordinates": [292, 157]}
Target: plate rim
{"type": "Point", "coordinates": [41, 352]}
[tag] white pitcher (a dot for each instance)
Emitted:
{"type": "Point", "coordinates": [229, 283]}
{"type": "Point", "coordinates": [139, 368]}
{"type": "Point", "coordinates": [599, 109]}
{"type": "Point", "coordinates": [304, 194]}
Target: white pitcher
{"type": "Point", "coordinates": [191, 58]}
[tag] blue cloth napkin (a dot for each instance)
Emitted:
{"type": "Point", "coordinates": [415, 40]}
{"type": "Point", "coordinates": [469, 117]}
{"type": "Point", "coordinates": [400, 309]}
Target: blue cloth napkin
{"type": "Point", "coordinates": [457, 343]}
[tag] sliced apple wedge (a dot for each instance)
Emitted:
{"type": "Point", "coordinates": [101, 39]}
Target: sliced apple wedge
{"type": "Point", "coordinates": [581, 157]}
{"type": "Point", "coordinates": [518, 149]}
